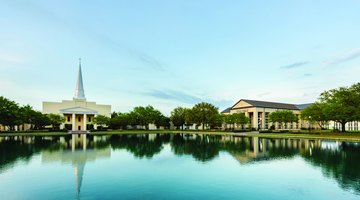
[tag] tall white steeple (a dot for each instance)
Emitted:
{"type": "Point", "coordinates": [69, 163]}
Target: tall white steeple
{"type": "Point", "coordinates": [79, 89]}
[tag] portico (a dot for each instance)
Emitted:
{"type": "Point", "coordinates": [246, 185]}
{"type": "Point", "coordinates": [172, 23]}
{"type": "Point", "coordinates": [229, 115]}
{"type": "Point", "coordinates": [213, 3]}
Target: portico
{"type": "Point", "coordinates": [79, 118]}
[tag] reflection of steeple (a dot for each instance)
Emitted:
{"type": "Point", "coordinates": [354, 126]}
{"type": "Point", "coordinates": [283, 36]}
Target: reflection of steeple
{"type": "Point", "coordinates": [77, 157]}
{"type": "Point", "coordinates": [78, 173]}
{"type": "Point", "coordinates": [79, 89]}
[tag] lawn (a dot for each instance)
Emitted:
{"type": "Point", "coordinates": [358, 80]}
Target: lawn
{"type": "Point", "coordinates": [325, 135]}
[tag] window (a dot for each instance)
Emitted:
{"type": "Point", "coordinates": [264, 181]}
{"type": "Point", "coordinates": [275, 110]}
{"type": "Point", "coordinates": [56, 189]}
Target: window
{"type": "Point", "coordinates": [89, 119]}
{"type": "Point", "coordinates": [68, 118]}
{"type": "Point", "coordinates": [79, 119]}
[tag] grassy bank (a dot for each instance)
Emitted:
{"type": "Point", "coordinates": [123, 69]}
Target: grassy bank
{"type": "Point", "coordinates": [348, 136]}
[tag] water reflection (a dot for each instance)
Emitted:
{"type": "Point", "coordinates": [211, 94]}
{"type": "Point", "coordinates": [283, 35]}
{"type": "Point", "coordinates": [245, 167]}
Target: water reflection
{"type": "Point", "coordinates": [337, 160]}
{"type": "Point", "coordinates": [78, 155]}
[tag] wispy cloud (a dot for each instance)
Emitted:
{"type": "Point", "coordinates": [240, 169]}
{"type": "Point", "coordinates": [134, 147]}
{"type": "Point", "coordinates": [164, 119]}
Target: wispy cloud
{"type": "Point", "coordinates": [173, 95]}
{"type": "Point", "coordinates": [308, 74]}
{"type": "Point", "coordinates": [182, 97]}
{"type": "Point", "coordinates": [351, 55]}
{"type": "Point", "coordinates": [10, 58]}
{"type": "Point", "coordinates": [148, 61]}
{"type": "Point", "coordinates": [295, 65]}
{"type": "Point", "coordinates": [263, 94]}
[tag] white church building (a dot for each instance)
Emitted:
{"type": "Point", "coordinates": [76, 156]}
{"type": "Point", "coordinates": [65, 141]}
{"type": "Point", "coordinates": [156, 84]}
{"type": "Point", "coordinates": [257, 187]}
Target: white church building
{"type": "Point", "coordinates": [79, 113]}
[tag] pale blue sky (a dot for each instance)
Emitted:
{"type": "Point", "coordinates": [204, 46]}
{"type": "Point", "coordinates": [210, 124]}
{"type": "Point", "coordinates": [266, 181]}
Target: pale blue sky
{"type": "Point", "coordinates": [179, 52]}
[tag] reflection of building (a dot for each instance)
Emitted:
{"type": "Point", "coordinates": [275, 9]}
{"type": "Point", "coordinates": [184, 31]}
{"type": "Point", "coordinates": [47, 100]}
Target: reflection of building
{"type": "Point", "coordinates": [258, 112]}
{"type": "Point", "coordinates": [261, 149]}
{"type": "Point", "coordinates": [78, 112]}
{"type": "Point", "coordinates": [76, 157]}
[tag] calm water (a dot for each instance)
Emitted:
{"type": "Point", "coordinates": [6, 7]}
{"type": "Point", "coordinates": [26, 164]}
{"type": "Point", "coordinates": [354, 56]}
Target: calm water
{"type": "Point", "coordinates": [177, 167]}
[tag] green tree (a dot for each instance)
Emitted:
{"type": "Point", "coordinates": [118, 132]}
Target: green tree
{"type": "Point", "coordinates": [102, 120]}
{"type": "Point", "coordinates": [40, 120]}
{"type": "Point", "coordinates": [229, 119]}
{"type": "Point", "coordinates": [9, 113]}
{"type": "Point", "coordinates": [145, 115]}
{"type": "Point", "coordinates": [28, 115]}
{"type": "Point", "coordinates": [240, 119]}
{"type": "Point", "coordinates": [177, 117]}
{"type": "Point", "coordinates": [342, 104]}
{"type": "Point", "coordinates": [205, 113]}
{"type": "Point", "coordinates": [56, 120]}
{"type": "Point", "coordinates": [316, 113]}
{"type": "Point", "coordinates": [120, 120]}
{"type": "Point", "coordinates": [162, 121]}
{"type": "Point", "coordinates": [283, 117]}
{"type": "Point", "coordinates": [189, 117]}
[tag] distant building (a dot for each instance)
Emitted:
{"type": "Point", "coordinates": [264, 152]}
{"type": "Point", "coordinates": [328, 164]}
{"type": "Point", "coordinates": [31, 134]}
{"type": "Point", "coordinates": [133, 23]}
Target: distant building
{"type": "Point", "coordinates": [79, 113]}
{"type": "Point", "coordinates": [258, 112]}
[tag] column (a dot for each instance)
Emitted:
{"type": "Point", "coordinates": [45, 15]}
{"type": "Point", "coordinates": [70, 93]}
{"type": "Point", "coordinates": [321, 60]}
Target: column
{"type": "Point", "coordinates": [84, 122]}
{"type": "Point", "coordinates": [255, 119]}
{"type": "Point", "coordinates": [73, 122]}
{"type": "Point", "coordinates": [73, 142]}
{"type": "Point", "coordinates": [263, 120]}
{"type": "Point", "coordinates": [84, 141]}
{"type": "Point", "coordinates": [256, 145]}
{"type": "Point", "coordinates": [264, 144]}
{"type": "Point", "coordinates": [95, 125]}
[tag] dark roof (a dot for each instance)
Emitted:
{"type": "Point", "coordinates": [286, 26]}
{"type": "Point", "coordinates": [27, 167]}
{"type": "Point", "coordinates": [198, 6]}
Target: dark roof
{"type": "Point", "coordinates": [303, 106]}
{"type": "Point", "coordinates": [266, 104]}
{"type": "Point", "coordinates": [227, 110]}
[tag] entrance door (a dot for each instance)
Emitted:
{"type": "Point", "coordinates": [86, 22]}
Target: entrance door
{"type": "Point", "coordinates": [79, 128]}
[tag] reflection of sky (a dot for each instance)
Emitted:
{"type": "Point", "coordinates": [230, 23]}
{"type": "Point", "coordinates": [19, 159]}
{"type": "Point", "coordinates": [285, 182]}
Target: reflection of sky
{"type": "Point", "coordinates": [330, 145]}
{"type": "Point", "coordinates": [166, 175]}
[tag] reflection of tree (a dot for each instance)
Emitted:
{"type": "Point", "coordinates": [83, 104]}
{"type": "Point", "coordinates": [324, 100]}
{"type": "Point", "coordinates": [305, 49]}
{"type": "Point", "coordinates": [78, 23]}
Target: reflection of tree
{"type": "Point", "coordinates": [140, 145]}
{"type": "Point", "coordinates": [201, 148]}
{"type": "Point", "coordinates": [13, 150]}
{"type": "Point", "coordinates": [342, 165]}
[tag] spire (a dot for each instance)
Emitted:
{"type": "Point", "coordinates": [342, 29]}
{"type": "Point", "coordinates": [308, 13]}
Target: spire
{"type": "Point", "coordinates": [79, 89]}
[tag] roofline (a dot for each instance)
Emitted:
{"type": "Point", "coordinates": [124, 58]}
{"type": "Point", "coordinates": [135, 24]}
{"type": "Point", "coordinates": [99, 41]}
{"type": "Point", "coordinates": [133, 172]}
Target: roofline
{"type": "Point", "coordinates": [262, 107]}
{"type": "Point", "coordinates": [264, 101]}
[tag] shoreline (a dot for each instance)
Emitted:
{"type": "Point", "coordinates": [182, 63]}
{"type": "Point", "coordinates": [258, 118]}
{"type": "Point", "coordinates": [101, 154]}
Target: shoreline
{"type": "Point", "coordinates": [345, 137]}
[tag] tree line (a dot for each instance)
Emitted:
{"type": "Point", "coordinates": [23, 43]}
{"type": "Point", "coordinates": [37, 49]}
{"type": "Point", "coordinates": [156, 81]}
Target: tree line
{"type": "Point", "coordinates": [341, 105]}
{"type": "Point", "coordinates": [12, 114]}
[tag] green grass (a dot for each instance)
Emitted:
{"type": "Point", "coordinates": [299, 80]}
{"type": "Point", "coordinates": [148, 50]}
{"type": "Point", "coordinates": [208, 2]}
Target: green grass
{"type": "Point", "coordinates": [325, 135]}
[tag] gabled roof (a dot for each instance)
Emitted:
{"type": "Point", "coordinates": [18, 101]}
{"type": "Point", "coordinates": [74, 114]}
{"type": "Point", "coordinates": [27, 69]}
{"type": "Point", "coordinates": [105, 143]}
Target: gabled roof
{"type": "Point", "coordinates": [227, 110]}
{"type": "Point", "coordinates": [78, 110]}
{"type": "Point", "coordinates": [267, 104]}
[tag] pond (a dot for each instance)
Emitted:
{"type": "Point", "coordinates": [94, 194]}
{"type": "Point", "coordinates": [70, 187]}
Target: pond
{"type": "Point", "coordinates": [177, 166]}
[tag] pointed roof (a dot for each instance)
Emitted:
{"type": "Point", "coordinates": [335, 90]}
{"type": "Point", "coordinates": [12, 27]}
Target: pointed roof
{"type": "Point", "coordinates": [267, 104]}
{"type": "Point", "coordinates": [79, 89]}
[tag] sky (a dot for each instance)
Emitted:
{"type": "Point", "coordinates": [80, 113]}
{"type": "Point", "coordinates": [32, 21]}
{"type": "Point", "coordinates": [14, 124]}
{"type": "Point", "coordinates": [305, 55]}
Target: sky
{"type": "Point", "coordinates": [177, 53]}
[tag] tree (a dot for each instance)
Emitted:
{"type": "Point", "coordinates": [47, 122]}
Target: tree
{"type": "Point", "coordinates": [162, 121]}
{"type": "Point", "coordinates": [102, 120]}
{"type": "Point", "coordinates": [177, 117]}
{"type": "Point", "coordinates": [240, 119]}
{"type": "Point", "coordinates": [316, 113]}
{"type": "Point", "coordinates": [28, 115]}
{"type": "Point", "coordinates": [205, 113]}
{"type": "Point", "coordinates": [56, 120]}
{"type": "Point", "coordinates": [283, 117]}
{"type": "Point", "coordinates": [9, 113]}
{"type": "Point", "coordinates": [229, 119]}
{"type": "Point", "coordinates": [145, 115]}
{"type": "Point", "coordinates": [40, 120]}
{"type": "Point", "coordinates": [342, 105]}
{"type": "Point", "coordinates": [189, 117]}
{"type": "Point", "coordinates": [120, 120]}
